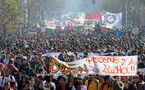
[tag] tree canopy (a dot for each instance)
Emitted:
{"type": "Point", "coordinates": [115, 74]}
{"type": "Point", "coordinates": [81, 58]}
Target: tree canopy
{"type": "Point", "coordinates": [8, 16]}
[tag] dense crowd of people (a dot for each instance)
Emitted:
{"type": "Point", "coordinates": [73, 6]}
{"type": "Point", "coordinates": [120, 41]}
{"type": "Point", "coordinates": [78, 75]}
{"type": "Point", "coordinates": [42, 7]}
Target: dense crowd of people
{"type": "Point", "coordinates": [23, 68]}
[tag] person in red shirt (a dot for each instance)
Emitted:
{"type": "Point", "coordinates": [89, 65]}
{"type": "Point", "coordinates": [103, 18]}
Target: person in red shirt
{"type": "Point", "coordinates": [11, 65]}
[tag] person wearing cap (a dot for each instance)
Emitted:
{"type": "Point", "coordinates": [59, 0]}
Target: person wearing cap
{"type": "Point", "coordinates": [92, 83]}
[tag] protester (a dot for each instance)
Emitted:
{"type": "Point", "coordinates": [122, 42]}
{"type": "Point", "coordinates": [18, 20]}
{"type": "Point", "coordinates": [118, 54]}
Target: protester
{"type": "Point", "coordinates": [27, 85]}
{"type": "Point", "coordinates": [63, 84]}
{"type": "Point", "coordinates": [92, 83]}
{"type": "Point", "coordinates": [23, 58]}
{"type": "Point", "coordinates": [49, 84]}
{"type": "Point", "coordinates": [106, 85]}
{"type": "Point", "coordinates": [11, 65]}
{"type": "Point", "coordinates": [78, 85]}
{"type": "Point", "coordinates": [125, 80]}
{"type": "Point", "coordinates": [7, 78]}
{"type": "Point", "coordinates": [13, 85]}
{"type": "Point", "coordinates": [6, 86]}
{"type": "Point", "coordinates": [118, 84]}
{"type": "Point", "coordinates": [136, 85]}
{"type": "Point", "coordinates": [71, 81]}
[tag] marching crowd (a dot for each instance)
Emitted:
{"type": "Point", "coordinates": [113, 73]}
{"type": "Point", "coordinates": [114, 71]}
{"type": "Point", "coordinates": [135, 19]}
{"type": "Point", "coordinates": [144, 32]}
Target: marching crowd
{"type": "Point", "coordinates": [22, 66]}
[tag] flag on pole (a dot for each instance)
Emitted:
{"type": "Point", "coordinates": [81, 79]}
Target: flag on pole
{"type": "Point", "coordinates": [70, 26]}
{"type": "Point", "coordinates": [112, 20]}
{"type": "Point", "coordinates": [117, 34]}
{"type": "Point", "coordinates": [37, 24]}
{"type": "Point", "coordinates": [102, 29]}
{"type": "Point", "coordinates": [93, 16]}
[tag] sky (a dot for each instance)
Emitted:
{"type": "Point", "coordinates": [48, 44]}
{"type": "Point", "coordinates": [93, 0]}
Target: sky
{"type": "Point", "coordinates": [81, 6]}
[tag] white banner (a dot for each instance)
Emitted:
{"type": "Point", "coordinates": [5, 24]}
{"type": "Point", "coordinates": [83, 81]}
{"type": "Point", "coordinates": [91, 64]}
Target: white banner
{"type": "Point", "coordinates": [50, 24]}
{"type": "Point", "coordinates": [80, 54]}
{"type": "Point", "coordinates": [102, 65]}
{"type": "Point", "coordinates": [112, 20]}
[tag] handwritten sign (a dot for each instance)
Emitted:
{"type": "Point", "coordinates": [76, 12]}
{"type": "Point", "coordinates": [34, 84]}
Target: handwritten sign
{"type": "Point", "coordinates": [102, 65]}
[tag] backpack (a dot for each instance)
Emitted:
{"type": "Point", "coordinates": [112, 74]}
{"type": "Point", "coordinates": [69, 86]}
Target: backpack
{"type": "Point", "coordinates": [89, 82]}
{"type": "Point", "coordinates": [2, 83]}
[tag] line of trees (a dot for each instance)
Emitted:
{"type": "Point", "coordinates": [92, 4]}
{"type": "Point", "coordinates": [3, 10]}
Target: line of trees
{"type": "Point", "coordinates": [8, 17]}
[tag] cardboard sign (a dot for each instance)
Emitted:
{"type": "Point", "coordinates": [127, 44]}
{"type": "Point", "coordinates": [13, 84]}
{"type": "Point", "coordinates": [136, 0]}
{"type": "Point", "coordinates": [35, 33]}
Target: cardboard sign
{"type": "Point", "coordinates": [102, 65]}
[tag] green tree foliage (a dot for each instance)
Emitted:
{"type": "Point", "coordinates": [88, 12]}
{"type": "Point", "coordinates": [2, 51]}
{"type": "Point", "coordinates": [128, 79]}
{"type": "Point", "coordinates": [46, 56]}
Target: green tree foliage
{"type": "Point", "coordinates": [8, 16]}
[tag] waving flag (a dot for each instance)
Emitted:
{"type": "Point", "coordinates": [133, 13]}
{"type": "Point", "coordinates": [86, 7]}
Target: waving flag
{"type": "Point", "coordinates": [37, 24]}
{"type": "Point", "coordinates": [70, 26]}
{"type": "Point", "coordinates": [93, 16]}
{"type": "Point", "coordinates": [50, 24]}
{"type": "Point", "coordinates": [102, 29]}
{"type": "Point", "coordinates": [112, 20]}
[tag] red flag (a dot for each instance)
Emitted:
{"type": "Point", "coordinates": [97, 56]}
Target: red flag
{"type": "Point", "coordinates": [102, 29]}
{"type": "Point", "coordinates": [70, 26]}
{"type": "Point", "coordinates": [50, 71]}
{"type": "Point", "coordinates": [93, 16]}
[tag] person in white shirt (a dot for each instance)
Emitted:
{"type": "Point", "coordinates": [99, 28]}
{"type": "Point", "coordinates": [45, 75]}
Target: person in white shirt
{"type": "Point", "coordinates": [6, 78]}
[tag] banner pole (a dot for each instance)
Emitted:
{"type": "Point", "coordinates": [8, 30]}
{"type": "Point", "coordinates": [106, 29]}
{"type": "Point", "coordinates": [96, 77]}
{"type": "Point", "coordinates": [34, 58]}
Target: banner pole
{"type": "Point", "coordinates": [50, 71]}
